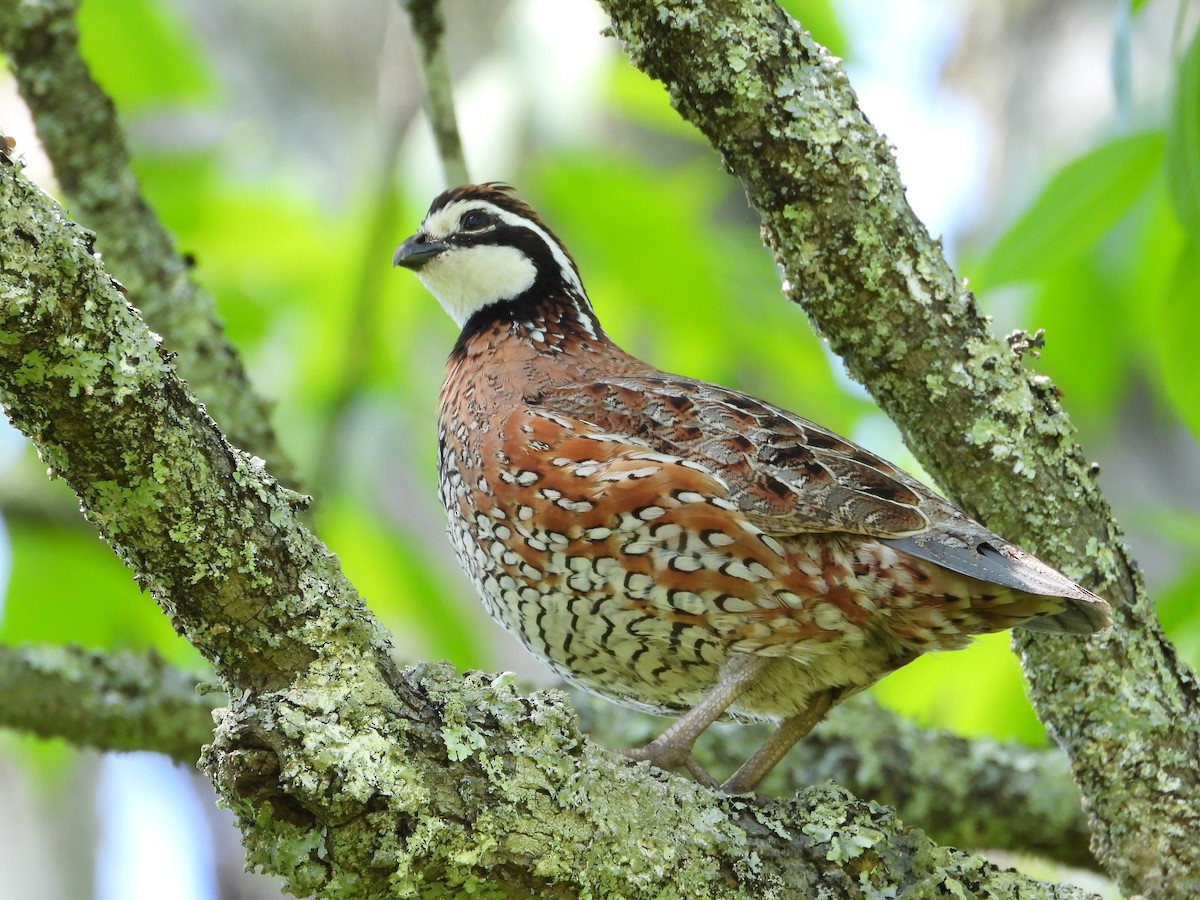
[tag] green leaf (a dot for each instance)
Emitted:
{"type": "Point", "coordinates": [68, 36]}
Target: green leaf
{"type": "Point", "coordinates": [1101, 311]}
{"type": "Point", "coordinates": [1079, 205]}
{"type": "Point", "coordinates": [1176, 604]}
{"type": "Point", "coordinates": [1175, 524]}
{"type": "Point", "coordinates": [1082, 313]}
{"type": "Point", "coordinates": [1178, 327]}
{"type": "Point", "coordinates": [143, 53]}
{"type": "Point", "coordinates": [972, 692]}
{"type": "Point", "coordinates": [1183, 142]}
{"type": "Point", "coordinates": [1140, 262]}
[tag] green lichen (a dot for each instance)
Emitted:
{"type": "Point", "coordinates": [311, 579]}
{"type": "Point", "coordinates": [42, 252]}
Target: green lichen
{"type": "Point", "coordinates": [32, 370]}
{"type": "Point", "coordinates": [936, 385]}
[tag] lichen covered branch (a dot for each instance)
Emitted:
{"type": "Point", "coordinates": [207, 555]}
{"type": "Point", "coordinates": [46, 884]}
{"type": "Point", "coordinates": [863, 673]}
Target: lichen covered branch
{"type": "Point", "coordinates": [118, 701]}
{"type": "Point", "coordinates": [967, 793]}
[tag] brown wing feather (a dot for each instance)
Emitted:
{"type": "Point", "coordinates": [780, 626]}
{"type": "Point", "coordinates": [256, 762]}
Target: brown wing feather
{"type": "Point", "coordinates": [791, 476]}
{"type": "Point", "coordinates": [788, 475]}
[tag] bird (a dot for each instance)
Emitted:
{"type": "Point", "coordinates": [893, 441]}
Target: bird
{"type": "Point", "coordinates": [676, 546]}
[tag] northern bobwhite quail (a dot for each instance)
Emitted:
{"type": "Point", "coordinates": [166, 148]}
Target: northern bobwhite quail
{"type": "Point", "coordinates": [677, 546]}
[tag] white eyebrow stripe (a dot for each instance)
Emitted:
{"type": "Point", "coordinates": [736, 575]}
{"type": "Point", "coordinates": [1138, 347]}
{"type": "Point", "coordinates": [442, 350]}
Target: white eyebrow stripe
{"type": "Point", "coordinates": [446, 219]}
{"type": "Point", "coordinates": [441, 223]}
{"type": "Point", "coordinates": [564, 263]}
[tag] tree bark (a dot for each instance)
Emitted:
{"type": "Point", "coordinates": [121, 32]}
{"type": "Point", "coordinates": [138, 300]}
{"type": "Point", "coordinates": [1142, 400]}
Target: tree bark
{"type": "Point", "coordinates": [966, 793]}
{"type": "Point", "coordinates": [108, 701]}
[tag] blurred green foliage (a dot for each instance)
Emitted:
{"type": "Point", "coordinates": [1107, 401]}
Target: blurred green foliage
{"type": "Point", "coordinates": [143, 54]}
{"type": "Point", "coordinates": [352, 355]}
{"type": "Point", "coordinates": [1183, 141]}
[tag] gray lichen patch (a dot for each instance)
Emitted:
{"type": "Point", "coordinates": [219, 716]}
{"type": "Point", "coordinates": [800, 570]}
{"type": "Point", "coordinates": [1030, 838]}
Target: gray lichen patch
{"type": "Point", "coordinates": [514, 781]}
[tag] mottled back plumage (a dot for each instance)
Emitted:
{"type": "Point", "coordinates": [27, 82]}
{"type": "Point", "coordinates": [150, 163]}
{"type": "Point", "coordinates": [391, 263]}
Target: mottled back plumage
{"type": "Point", "coordinates": [672, 544]}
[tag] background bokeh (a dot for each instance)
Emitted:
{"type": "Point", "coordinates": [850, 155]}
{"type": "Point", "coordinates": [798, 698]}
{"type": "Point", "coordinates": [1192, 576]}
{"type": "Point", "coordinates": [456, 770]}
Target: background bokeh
{"type": "Point", "coordinates": [286, 152]}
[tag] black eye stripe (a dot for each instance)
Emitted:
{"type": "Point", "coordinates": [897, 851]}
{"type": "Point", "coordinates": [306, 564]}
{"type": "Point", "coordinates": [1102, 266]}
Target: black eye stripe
{"type": "Point", "coordinates": [506, 234]}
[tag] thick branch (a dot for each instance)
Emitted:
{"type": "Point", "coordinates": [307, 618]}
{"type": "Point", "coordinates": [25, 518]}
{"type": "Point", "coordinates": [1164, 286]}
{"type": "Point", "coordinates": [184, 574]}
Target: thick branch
{"type": "Point", "coordinates": [480, 788]}
{"type": "Point", "coordinates": [117, 701]}
{"type": "Point", "coordinates": [78, 128]}
{"type": "Point", "coordinates": [351, 778]}
{"type": "Point", "coordinates": [206, 529]}
{"type": "Point", "coordinates": [785, 119]}
{"type": "Point", "coordinates": [967, 793]}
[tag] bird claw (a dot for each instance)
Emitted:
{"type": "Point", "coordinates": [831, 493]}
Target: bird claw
{"type": "Point", "coordinates": [667, 757]}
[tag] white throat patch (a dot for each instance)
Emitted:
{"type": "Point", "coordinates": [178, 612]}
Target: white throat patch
{"type": "Point", "coordinates": [466, 279]}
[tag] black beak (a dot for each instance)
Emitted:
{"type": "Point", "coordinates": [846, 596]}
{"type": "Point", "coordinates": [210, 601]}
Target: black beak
{"type": "Point", "coordinates": [417, 251]}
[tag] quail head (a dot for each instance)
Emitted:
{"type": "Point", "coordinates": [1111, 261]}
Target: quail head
{"type": "Point", "coordinates": [677, 546]}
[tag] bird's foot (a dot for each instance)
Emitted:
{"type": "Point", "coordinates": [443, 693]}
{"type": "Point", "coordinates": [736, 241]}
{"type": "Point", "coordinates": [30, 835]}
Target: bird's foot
{"type": "Point", "coordinates": [668, 755]}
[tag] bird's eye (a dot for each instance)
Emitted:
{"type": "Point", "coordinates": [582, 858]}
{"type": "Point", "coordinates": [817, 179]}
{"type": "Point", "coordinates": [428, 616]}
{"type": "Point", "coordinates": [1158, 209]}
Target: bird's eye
{"type": "Point", "coordinates": [476, 220]}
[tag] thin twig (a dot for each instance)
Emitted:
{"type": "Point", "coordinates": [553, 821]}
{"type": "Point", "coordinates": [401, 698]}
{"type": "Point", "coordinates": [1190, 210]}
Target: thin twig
{"type": "Point", "coordinates": [429, 29]}
{"type": "Point", "coordinates": [361, 335]}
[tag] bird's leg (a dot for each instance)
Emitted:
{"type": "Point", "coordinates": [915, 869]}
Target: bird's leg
{"type": "Point", "coordinates": [792, 729]}
{"type": "Point", "coordinates": [673, 748]}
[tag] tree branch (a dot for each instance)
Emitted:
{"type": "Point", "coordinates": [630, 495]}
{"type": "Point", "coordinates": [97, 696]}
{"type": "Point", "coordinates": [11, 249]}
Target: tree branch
{"type": "Point", "coordinates": [351, 778]}
{"type": "Point", "coordinates": [782, 114]}
{"type": "Point", "coordinates": [78, 128]}
{"type": "Point", "coordinates": [967, 793]}
{"type": "Point", "coordinates": [429, 30]}
{"type": "Point", "coordinates": [118, 701]}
